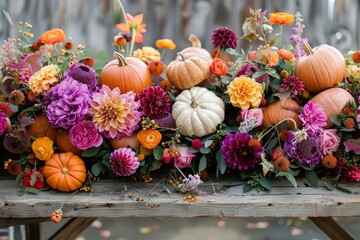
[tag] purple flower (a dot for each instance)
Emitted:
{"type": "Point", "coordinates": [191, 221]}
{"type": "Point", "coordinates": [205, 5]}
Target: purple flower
{"type": "Point", "coordinates": [247, 70]}
{"type": "Point", "coordinates": [190, 183]}
{"type": "Point", "coordinates": [3, 123]}
{"type": "Point", "coordinates": [238, 154]}
{"type": "Point", "coordinates": [167, 121]}
{"type": "Point", "coordinates": [293, 84]}
{"type": "Point", "coordinates": [313, 117]}
{"type": "Point", "coordinates": [67, 104]}
{"type": "Point", "coordinates": [84, 135]}
{"type": "Point", "coordinates": [224, 38]}
{"type": "Point", "coordinates": [18, 141]}
{"type": "Point", "coordinates": [154, 102]}
{"type": "Point", "coordinates": [306, 151]}
{"type": "Point", "coordinates": [83, 74]}
{"type": "Point", "coordinates": [124, 162]}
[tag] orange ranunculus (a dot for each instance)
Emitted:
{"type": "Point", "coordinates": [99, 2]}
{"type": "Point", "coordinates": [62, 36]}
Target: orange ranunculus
{"type": "Point", "coordinates": [52, 36]}
{"type": "Point", "coordinates": [136, 23]}
{"type": "Point", "coordinates": [218, 67]}
{"type": "Point", "coordinates": [274, 59]}
{"type": "Point", "coordinates": [245, 92]}
{"type": "Point", "coordinates": [149, 138]}
{"type": "Point", "coordinates": [165, 43]}
{"type": "Point", "coordinates": [43, 148]}
{"type": "Point", "coordinates": [282, 18]}
{"type": "Point", "coordinates": [285, 54]}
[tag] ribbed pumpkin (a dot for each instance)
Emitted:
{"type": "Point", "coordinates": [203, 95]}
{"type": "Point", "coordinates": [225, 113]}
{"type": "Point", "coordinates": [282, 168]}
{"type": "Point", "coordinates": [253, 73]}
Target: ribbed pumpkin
{"type": "Point", "coordinates": [41, 128]}
{"type": "Point", "coordinates": [125, 141]}
{"type": "Point", "coordinates": [275, 112]}
{"type": "Point", "coordinates": [65, 172]}
{"type": "Point", "coordinates": [322, 68]}
{"type": "Point", "coordinates": [196, 50]}
{"type": "Point", "coordinates": [333, 101]}
{"type": "Point", "coordinates": [185, 73]}
{"type": "Point", "coordinates": [198, 111]}
{"type": "Point", "coordinates": [63, 143]}
{"type": "Point", "coordinates": [128, 74]}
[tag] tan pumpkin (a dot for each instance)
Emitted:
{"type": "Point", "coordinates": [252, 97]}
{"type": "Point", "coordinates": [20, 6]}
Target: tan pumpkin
{"type": "Point", "coordinates": [323, 68]}
{"type": "Point", "coordinates": [198, 111]}
{"type": "Point", "coordinates": [196, 50]}
{"type": "Point", "coordinates": [63, 143]}
{"type": "Point", "coordinates": [275, 113]}
{"type": "Point", "coordinates": [125, 141]}
{"type": "Point", "coordinates": [332, 101]}
{"type": "Point", "coordinates": [65, 172]}
{"type": "Point", "coordinates": [128, 74]}
{"type": "Point", "coordinates": [41, 128]}
{"type": "Point", "coordinates": [185, 73]}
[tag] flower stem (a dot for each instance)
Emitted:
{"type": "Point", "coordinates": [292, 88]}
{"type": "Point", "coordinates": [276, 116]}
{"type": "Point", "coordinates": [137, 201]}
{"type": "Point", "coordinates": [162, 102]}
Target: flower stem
{"type": "Point", "coordinates": [161, 180]}
{"type": "Point", "coordinates": [163, 53]}
{"type": "Point", "coordinates": [123, 11]}
{"type": "Point", "coordinates": [281, 33]}
{"type": "Point", "coordinates": [133, 34]}
{"type": "Point", "coordinates": [286, 119]}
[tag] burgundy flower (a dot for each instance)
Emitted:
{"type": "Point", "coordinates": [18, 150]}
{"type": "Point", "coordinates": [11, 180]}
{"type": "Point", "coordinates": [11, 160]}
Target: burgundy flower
{"type": "Point", "coordinates": [293, 84]}
{"type": "Point", "coordinates": [124, 162]}
{"type": "Point", "coordinates": [224, 38]}
{"type": "Point", "coordinates": [18, 141]}
{"type": "Point", "coordinates": [154, 102]}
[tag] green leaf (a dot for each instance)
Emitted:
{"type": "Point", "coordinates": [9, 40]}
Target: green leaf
{"type": "Point", "coordinates": [91, 152]}
{"type": "Point", "coordinates": [204, 150]}
{"type": "Point", "coordinates": [330, 186]}
{"type": "Point", "coordinates": [312, 178]}
{"type": "Point", "coordinates": [335, 120]}
{"type": "Point", "coordinates": [20, 177]}
{"type": "Point", "coordinates": [307, 168]}
{"type": "Point", "coordinates": [291, 179]}
{"type": "Point", "coordinates": [33, 179]}
{"type": "Point", "coordinates": [271, 144]}
{"type": "Point", "coordinates": [102, 55]}
{"type": "Point", "coordinates": [21, 192]}
{"type": "Point", "coordinates": [172, 96]}
{"type": "Point", "coordinates": [283, 96]}
{"type": "Point", "coordinates": [232, 51]}
{"type": "Point", "coordinates": [32, 190]}
{"type": "Point", "coordinates": [342, 188]}
{"type": "Point", "coordinates": [272, 72]}
{"type": "Point", "coordinates": [257, 74]}
{"type": "Point", "coordinates": [265, 183]}
{"type": "Point", "coordinates": [208, 143]}
{"type": "Point", "coordinates": [203, 163]}
{"type": "Point", "coordinates": [158, 152]}
{"type": "Point", "coordinates": [96, 168]}
{"type": "Point", "coordinates": [247, 187]}
{"type": "Point", "coordinates": [221, 166]}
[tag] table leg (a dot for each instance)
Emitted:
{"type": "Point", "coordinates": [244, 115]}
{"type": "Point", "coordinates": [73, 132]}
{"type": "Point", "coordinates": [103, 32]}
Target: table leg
{"type": "Point", "coordinates": [33, 231]}
{"type": "Point", "coordinates": [329, 226]}
{"type": "Point", "coordinates": [72, 228]}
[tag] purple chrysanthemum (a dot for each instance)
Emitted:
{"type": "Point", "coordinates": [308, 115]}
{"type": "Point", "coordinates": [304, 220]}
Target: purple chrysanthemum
{"type": "Point", "coordinates": [83, 74]}
{"type": "Point", "coordinates": [154, 102]}
{"type": "Point", "coordinates": [167, 121]}
{"type": "Point", "coordinates": [124, 162]}
{"type": "Point", "coordinates": [293, 84]}
{"type": "Point", "coordinates": [67, 103]}
{"type": "Point", "coordinates": [3, 123]}
{"type": "Point", "coordinates": [224, 38]}
{"type": "Point", "coordinates": [238, 154]}
{"type": "Point", "coordinates": [313, 117]}
{"type": "Point", "coordinates": [306, 151]}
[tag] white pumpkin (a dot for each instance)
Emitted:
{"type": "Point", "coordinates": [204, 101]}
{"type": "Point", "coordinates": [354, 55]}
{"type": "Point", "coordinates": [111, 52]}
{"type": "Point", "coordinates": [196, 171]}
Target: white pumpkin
{"type": "Point", "coordinates": [198, 111]}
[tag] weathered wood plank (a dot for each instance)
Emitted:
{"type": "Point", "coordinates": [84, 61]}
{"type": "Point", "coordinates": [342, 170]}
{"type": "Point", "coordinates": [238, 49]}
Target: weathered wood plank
{"type": "Point", "coordinates": [72, 228]}
{"type": "Point", "coordinates": [329, 226]}
{"type": "Point", "coordinates": [110, 200]}
{"type": "Point", "coordinates": [6, 222]}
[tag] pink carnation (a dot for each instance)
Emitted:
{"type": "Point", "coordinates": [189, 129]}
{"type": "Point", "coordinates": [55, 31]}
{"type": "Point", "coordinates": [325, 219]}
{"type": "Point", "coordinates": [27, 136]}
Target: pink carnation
{"type": "Point", "coordinates": [329, 142]}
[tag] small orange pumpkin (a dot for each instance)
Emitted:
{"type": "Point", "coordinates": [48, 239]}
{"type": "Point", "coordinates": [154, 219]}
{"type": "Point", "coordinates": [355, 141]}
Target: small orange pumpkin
{"type": "Point", "coordinates": [125, 141]}
{"type": "Point", "coordinates": [275, 112]}
{"type": "Point", "coordinates": [332, 101]}
{"type": "Point", "coordinates": [128, 74]}
{"type": "Point", "coordinates": [41, 128]}
{"type": "Point", "coordinates": [323, 68]}
{"type": "Point", "coordinates": [196, 50]}
{"type": "Point", "coordinates": [63, 143]}
{"type": "Point", "coordinates": [65, 172]}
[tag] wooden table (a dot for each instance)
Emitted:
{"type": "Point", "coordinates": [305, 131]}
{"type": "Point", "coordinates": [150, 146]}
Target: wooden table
{"type": "Point", "coordinates": [110, 199]}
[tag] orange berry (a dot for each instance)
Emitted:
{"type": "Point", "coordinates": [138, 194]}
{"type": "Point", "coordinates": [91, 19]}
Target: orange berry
{"type": "Point", "coordinates": [356, 57]}
{"type": "Point", "coordinates": [349, 111]}
{"type": "Point", "coordinates": [119, 41]}
{"type": "Point", "coordinates": [349, 123]}
{"type": "Point", "coordinates": [284, 135]}
{"type": "Point", "coordinates": [277, 153]}
{"type": "Point", "coordinates": [281, 164]}
{"type": "Point", "coordinates": [166, 85]}
{"type": "Point", "coordinates": [329, 162]}
{"type": "Point", "coordinates": [88, 61]}
{"type": "Point", "coordinates": [156, 67]}
{"type": "Point", "coordinates": [69, 45]}
{"type": "Point", "coordinates": [254, 144]}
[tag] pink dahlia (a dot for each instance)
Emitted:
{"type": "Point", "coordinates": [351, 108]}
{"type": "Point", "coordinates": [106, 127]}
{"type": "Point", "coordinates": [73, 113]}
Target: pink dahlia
{"type": "Point", "coordinates": [224, 38]}
{"type": "Point", "coordinates": [313, 117]}
{"type": "Point", "coordinates": [293, 84]}
{"type": "Point", "coordinates": [115, 114]}
{"type": "Point", "coordinates": [124, 162]}
{"type": "Point", "coordinates": [3, 123]}
{"type": "Point", "coordinates": [154, 102]}
{"type": "Point", "coordinates": [237, 152]}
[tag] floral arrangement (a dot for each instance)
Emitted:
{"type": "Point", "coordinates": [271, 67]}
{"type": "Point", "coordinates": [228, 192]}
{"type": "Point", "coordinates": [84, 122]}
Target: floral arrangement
{"type": "Point", "coordinates": [67, 117]}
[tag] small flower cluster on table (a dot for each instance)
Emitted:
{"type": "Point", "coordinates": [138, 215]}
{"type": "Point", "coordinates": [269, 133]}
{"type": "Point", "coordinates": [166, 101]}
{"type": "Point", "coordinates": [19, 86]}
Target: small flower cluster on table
{"type": "Point", "coordinates": [68, 116]}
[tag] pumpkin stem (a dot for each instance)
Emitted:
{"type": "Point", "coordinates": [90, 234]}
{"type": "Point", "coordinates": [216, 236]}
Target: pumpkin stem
{"type": "Point", "coordinates": [193, 103]}
{"type": "Point", "coordinates": [120, 58]}
{"type": "Point", "coordinates": [182, 56]}
{"type": "Point", "coordinates": [64, 170]}
{"type": "Point", "coordinates": [194, 41]}
{"type": "Point", "coordinates": [307, 48]}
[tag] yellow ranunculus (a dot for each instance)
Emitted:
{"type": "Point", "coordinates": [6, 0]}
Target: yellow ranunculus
{"type": "Point", "coordinates": [245, 92]}
{"type": "Point", "coordinates": [43, 148]}
{"type": "Point", "coordinates": [147, 54]}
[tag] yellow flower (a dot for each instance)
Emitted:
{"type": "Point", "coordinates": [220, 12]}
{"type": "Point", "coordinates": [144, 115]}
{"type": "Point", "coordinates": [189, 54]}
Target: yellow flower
{"type": "Point", "coordinates": [41, 81]}
{"type": "Point", "coordinates": [245, 92]}
{"type": "Point", "coordinates": [147, 54]}
{"type": "Point", "coordinates": [165, 43]}
{"type": "Point", "coordinates": [43, 148]}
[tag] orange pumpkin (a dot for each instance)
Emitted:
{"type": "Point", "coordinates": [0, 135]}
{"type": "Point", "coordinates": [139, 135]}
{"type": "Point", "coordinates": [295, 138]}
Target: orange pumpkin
{"type": "Point", "coordinates": [41, 128]}
{"type": "Point", "coordinates": [332, 101]}
{"type": "Point", "coordinates": [275, 112]}
{"type": "Point", "coordinates": [196, 50]}
{"type": "Point", "coordinates": [63, 143]}
{"type": "Point", "coordinates": [125, 141]}
{"type": "Point", "coordinates": [65, 172]}
{"type": "Point", "coordinates": [322, 68]}
{"type": "Point", "coordinates": [128, 74]}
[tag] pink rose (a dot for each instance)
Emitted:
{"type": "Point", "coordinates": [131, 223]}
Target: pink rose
{"type": "Point", "coordinates": [256, 114]}
{"type": "Point", "coordinates": [185, 158]}
{"type": "Point", "coordinates": [84, 135]}
{"type": "Point", "coordinates": [329, 142]}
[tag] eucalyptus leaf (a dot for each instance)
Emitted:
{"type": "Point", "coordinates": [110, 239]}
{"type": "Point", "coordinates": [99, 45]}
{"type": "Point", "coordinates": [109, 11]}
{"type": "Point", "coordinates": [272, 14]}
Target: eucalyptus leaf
{"type": "Point", "coordinates": [291, 179]}
{"type": "Point", "coordinates": [265, 183]}
{"type": "Point", "coordinates": [247, 187]}
{"type": "Point", "coordinates": [342, 188]}
{"type": "Point", "coordinates": [271, 144]}
{"type": "Point", "coordinates": [202, 163]}
{"type": "Point", "coordinates": [204, 150]}
{"type": "Point", "coordinates": [330, 186]}
{"type": "Point", "coordinates": [221, 166]}
{"type": "Point", "coordinates": [96, 169]}
{"type": "Point", "coordinates": [20, 177]}
{"type": "Point", "coordinates": [335, 120]}
{"type": "Point", "coordinates": [158, 152]}
{"type": "Point", "coordinates": [208, 143]}
{"type": "Point", "coordinates": [32, 190]}
{"type": "Point", "coordinates": [21, 192]}
{"type": "Point", "coordinates": [312, 178]}
{"type": "Point", "coordinates": [91, 152]}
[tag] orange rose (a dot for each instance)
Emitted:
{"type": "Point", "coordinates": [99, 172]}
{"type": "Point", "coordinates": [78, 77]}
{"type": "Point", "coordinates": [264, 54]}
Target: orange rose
{"type": "Point", "coordinates": [285, 54]}
{"type": "Point", "coordinates": [52, 36]}
{"type": "Point", "coordinates": [219, 67]}
{"type": "Point", "coordinates": [282, 18]}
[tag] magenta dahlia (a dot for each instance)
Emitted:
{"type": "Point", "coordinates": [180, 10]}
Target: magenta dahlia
{"type": "Point", "coordinates": [293, 84]}
{"type": "Point", "coordinates": [3, 123]}
{"type": "Point", "coordinates": [124, 162]}
{"type": "Point", "coordinates": [237, 152]}
{"type": "Point", "coordinates": [154, 102]}
{"type": "Point", "coordinates": [83, 74]}
{"type": "Point", "coordinates": [313, 117]}
{"type": "Point", "coordinates": [224, 38]}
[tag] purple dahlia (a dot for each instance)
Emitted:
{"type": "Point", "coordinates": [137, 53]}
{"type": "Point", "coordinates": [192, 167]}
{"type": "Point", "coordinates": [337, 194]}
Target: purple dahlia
{"type": "Point", "coordinates": [237, 152]}
{"type": "Point", "coordinates": [154, 102]}
{"type": "Point", "coordinates": [124, 162]}
{"type": "Point", "coordinates": [313, 117]}
{"type": "Point", "coordinates": [224, 38]}
{"type": "Point", "coordinates": [83, 74]}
